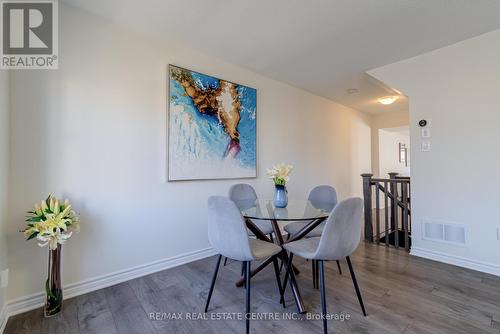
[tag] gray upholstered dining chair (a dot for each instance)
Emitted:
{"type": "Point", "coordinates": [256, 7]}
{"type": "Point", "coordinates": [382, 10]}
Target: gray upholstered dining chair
{"type": "Point", "coordinates": [242, 192]}
{"type": "Point", "coordinates": [339, 240]}
{"type": "Point", "coordinates": [228, 235]}
{"type": "Point", "coordinates": [323, 196]}
{"type": "Point", "coordinates": [245, 193]}
{"type": "Point", "coordinates": [320, 196]}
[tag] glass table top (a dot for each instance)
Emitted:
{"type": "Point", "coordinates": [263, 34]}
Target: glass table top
{"type": "Point", "coordinates": [295, 210]}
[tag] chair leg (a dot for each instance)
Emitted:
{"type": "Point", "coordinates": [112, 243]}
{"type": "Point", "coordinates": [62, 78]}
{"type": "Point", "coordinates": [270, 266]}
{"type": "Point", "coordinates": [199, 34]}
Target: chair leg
{"type": "Point", "coordinates": [322, 295]}
{"type": "Point", "coordinates": [356, 286]}
{"type": "Point", "coordinates": [313, 268]}
{"type": "Point", "coordinates": [317, 275]}
{"type": "Point", "coordinates": [213, 282]}
{"type": "Point", "coordinates": [277, 272]}
{"type": "Point", "coordinates": [247, 285]}
{"type": "Point", "coordinates": [225, 261]}
{"type": "Point", "coordinates": [340, 269]}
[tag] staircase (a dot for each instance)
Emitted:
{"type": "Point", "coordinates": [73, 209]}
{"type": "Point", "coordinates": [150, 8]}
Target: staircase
{"type": "Point", "coordinates": [387, 206]}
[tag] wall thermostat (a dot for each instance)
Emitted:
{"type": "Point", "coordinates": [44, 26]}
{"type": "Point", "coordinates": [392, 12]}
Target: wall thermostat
{"type": "Point", "coordinates": [422, 123]}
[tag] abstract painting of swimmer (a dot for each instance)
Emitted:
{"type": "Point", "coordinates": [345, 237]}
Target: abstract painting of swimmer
{"type": "Point", "coordinates": [212, 127]}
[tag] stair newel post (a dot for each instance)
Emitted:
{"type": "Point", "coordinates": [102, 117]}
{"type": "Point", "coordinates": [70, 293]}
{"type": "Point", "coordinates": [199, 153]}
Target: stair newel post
{"type": "Point", "coordinates": [367, 194]}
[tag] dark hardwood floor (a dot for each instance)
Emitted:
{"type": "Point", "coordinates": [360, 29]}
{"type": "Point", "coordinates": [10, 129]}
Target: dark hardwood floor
{"type": "Point", "coordinates": [402, 294]}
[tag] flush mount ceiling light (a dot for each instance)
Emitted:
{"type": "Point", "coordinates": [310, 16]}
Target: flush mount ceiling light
{"type": "Point", "coordinates": [387, 99]}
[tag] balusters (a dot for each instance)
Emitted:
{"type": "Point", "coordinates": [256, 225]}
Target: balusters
{"type": "Point", "coordinates": [405, 215]}
{"type": "Point", "coordinates": [409, 195]}
{"type": "Point", "coordinates": [392, 176]}
{"type": "Point", "coordinates": [397, 210]}
{"type": "Point", "coordinates": [377, 211]}
{"type": "Point", "coordinates": [394, 188]}
{"type": "Point", "coordinates": [386, 213]}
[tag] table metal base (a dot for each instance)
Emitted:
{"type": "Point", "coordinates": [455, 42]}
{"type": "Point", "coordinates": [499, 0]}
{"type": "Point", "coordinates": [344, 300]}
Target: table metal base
{"type": "Point", "coordinates": [283, 255]}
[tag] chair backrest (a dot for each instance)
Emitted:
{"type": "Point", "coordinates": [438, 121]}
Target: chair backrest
{"type": "Point", "coordinates": [242, 192]}
{"type": "Point", "coordinates": [227, 231]}
{"type": "Point", "coordinates": [342, 231]}
{"type": "Point", "coordinates": [323, 194]}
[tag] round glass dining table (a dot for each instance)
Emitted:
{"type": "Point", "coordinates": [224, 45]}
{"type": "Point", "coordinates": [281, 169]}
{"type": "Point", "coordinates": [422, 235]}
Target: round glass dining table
{"type": "Point", "coordinates": [296, 210]}
{"type": "Point", "coordinates": [312, 213]}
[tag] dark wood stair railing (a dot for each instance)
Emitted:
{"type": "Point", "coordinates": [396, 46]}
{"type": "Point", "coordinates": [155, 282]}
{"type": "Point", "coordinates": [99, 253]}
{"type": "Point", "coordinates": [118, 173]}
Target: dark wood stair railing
{"type": "Point", "coordinates": [396, 191]}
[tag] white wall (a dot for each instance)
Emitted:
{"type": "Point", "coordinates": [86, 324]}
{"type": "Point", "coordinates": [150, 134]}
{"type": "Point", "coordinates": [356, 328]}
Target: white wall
{"type": "Point", "coordinates": [388, 152]}
{"type": "Point", "coordinates": [95, 131]}
{"type": "Point", "coordinates": [4, 164]}
{"type": "Point", "coordinates": [391, 119]}
{"type": "Point", "coordinates": [456, 88]}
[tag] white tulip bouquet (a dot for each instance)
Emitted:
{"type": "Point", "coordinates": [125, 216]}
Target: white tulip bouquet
{"type": "Point", "coordinates": [280, 174]}
{"type": "Point", "coordinates": [51, 223]}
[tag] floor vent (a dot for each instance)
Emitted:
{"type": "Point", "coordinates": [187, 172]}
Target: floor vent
{"type": "Point", "coordinates": [444, 232]}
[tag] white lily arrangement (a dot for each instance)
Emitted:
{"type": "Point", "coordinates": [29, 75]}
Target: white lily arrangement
{"type": "Point", "coordinates": [280, 174]}
{"type": "Point", "coordinates": [51, 223]}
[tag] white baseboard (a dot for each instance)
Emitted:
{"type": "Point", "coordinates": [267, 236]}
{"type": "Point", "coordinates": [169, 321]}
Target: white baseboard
{"type": "Point", "coordinates": [459, 261]}
{"type": "Point", "coordinates": [36, 300]}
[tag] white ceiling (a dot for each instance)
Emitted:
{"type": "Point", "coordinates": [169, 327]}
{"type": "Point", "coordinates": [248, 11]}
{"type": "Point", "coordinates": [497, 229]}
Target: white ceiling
{"type": "Point", "coordinates": [322, 46]}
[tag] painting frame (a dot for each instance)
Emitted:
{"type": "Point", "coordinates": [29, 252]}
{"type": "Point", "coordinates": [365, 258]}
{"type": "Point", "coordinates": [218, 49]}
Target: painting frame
{"type": "Point", "coordinates": [169, 137]}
